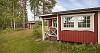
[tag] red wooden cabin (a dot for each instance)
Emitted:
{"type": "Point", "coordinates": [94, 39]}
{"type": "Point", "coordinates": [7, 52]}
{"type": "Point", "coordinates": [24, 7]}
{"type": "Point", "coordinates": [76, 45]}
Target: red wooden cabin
{"type": "Point", "coordinates": [80, 25]}
{"type": "Point", "coordinates": [29, 24]}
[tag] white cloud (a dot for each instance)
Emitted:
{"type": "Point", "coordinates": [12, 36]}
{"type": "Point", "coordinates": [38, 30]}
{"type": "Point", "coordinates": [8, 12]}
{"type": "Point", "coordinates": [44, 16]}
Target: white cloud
{"type": "Point", "coordinates": [58, 8]}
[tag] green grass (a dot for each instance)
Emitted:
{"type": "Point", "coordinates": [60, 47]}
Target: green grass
{"type": "Point", "coordinates": [24, 42]}
{"type": "Point", "coordinates": [21, 42]}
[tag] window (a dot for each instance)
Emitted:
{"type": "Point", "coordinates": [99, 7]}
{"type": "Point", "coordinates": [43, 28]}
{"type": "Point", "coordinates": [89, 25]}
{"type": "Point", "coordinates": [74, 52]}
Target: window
{"type": "Point", "coordinates": [78, 22]}
{"type": "Point", "coordinates": [69, 22]}
{"type": "Point", "coordinates": [84, 21]}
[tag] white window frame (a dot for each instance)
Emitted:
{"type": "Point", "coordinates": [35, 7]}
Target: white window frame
{"type": "Point", "coordinates": [76, 22]}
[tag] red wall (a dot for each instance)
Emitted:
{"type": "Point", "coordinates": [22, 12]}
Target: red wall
{"type": "Point", "coordinates": [79, 36]}
{"type": "Point", "coordinates": [29, 25]}
{"type": "Point", "coordinates": [50, 22]}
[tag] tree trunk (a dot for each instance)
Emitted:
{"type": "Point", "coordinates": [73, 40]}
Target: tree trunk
{"type": "Point", "coordinates": [11, 24]}
{"type": "Point", "coordinates": [14, 25]}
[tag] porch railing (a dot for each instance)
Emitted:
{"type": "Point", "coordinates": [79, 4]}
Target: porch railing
{"type": "Point", "coordinates": [52, 31]}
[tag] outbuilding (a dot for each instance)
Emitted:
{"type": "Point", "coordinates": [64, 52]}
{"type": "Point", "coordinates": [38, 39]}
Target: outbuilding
{"type": "Point", "coordinates": [29, 24]}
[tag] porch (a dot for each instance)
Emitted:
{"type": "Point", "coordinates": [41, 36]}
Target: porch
{"type": "Point", "coordinates": [52, 32]}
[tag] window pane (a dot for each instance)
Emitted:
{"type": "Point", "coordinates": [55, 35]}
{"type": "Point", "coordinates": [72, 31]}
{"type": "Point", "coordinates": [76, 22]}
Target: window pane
{"type": "Point", "coordinates": [88, 21]}
{"type": "Point", "coordinates": [88, 25]}
{"type": "Point", "coordinates": [64, 25]}
{"type": "Point", "coordinates": [88, 17]}
{"type": "Point", "coordinates": [84, 25]}
{"type": "Point", "coordinates": [72, 25]}
{"type": "Point", "coordinates": [67, 25]}
{"type": "Point", "coordinates": [79, 24]}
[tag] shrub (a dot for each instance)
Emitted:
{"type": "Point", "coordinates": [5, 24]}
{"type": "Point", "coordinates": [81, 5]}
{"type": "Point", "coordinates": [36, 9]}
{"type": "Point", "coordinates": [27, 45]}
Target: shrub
{"type": "Point", "coordinates": [78, 48]}
{"type": "Point", "coordinates": [38, 22]}
{"type": "Point", "coordinates": [97, 47]}
{"type": "Point", "coordinates": [8, 30]}
{"type": "Point", "coordinates": [37, 31]}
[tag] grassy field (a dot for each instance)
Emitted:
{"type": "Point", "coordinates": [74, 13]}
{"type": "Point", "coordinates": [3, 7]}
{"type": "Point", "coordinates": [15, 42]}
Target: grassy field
{"type": "Point", "coordinates": [24, 42]}
{"type": "Point", "coordinates": [21, 42]}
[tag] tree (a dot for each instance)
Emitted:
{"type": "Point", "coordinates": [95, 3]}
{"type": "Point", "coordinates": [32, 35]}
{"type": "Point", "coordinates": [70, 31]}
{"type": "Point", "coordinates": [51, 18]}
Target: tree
{"type": "Point", "coordinates": [23, 11]}
{"type": "Point", "coordinates": [42, 6]}
{"type": "Point", "coordinates": [10, 14]}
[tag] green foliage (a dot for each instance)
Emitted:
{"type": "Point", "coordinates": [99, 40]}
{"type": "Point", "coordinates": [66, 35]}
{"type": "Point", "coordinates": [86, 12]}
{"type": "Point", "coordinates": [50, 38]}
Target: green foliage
{"type": "Point", "coordinates": [8, 30]}
{"type": "Point", "coordinates": [47, 6]}
{"type": "Point", "coordinates": [78, 48]}
{"type": "Point", "coordinates": [37, 30]}
{"type": "Point", "coordinates": [45, 23]}
{"type": "Point", "coordinates": [10, 14]}
{"type": "Point", "coordinates": [39, 22]}
{"type": "Point", "coordinates": [23, 42]}
{"type": "Point", "coordinates": [19, 29]}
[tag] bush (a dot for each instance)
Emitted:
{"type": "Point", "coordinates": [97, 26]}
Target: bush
{"type": "Point", "coordinates": [78, 48]}
{"type": "Point", "coordinates": [37, 31]}
{"type": "Point", "coordinates": [38, 22]}
{"type": "Point", "coordinates": [8, 30]}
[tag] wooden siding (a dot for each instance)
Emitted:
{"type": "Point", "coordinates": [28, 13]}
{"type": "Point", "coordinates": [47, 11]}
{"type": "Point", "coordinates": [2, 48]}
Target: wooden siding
{"type": "Point", "coordinates": [49, 22]}
{"type": "Point", "coordinates": [29, 25]}
{"type": "Point", "coordinates": [79, 36]}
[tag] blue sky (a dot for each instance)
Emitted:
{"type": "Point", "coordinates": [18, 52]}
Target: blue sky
{"type": "Point", "coordinates": [63, 5]}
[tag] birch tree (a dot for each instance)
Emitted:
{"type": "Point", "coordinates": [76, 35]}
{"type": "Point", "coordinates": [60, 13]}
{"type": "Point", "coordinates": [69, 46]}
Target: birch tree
{"type": "Point", "coordinates": [42, 6]}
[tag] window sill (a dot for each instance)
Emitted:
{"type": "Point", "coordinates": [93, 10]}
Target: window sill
{"type": "Point", "coordinates": [80, 29]}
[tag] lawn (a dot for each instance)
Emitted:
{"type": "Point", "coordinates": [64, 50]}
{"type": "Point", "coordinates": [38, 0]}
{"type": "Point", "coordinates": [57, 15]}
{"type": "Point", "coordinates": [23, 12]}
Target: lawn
{"type": "Point", "coordinates": [21, 42]}
{"type": "Point", "coordinates": [24, 42]}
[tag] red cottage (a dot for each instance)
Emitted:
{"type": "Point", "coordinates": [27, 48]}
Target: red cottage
{"type": "Point", "coordinates": [80, 25]}
{"type": "Point", "coordinates": [29, 24]}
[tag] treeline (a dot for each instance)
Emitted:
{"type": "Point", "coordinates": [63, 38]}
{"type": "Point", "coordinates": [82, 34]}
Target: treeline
{"type": "Point", "coordinates": [12, 13]}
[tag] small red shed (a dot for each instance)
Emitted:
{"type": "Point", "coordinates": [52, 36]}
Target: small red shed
{"type": "Point", "coordinates": [80, 25]}
{"type": "Point", "coordinates": [29, 24]}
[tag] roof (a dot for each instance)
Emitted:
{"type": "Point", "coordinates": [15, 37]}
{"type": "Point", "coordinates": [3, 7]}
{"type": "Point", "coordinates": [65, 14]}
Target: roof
{"type": "Point", "coordinates": [73, 11]}
{"type": "Point", "coordinates": [31, 22]}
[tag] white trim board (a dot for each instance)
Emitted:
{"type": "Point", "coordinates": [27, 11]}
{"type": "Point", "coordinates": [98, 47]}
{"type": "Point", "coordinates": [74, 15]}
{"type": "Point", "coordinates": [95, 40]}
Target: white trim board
{"type": "Point", "coordinates": [98, 27]}
{"type": "Point", "coordinates": [57, 28]}
{"type": "Point", "coordinates": [43, 34]}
